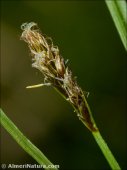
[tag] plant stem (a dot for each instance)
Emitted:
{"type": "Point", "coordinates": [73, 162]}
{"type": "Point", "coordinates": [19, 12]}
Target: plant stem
{"type": "Point", "coordinates": [31, 149]}
{"type": "Point", "coordinates": [100, 141]}
{"type": "Point", "coordinates": [118, 10]}
{"type": "Point", "coordinates": [102, 144]}
{"type": "Point", "coordinates": [106, 151]}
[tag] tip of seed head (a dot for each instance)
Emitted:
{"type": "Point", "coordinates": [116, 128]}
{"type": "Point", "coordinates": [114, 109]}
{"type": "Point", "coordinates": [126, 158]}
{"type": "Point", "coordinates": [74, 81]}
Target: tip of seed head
{"type": "Point", "coordinates": [28, 26]}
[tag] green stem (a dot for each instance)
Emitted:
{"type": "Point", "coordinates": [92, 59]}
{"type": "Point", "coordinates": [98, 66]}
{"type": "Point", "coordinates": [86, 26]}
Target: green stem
{"type": "Point", "coordinates": [100, 141]}
{"type": "Point", "coordinates": [118, 12]}
{"type": "Point", "coordinates": [106, 151]}
{"type": "Point", "coordinates": [31, 149]}
{"type": "Point", "coordinates": [102, 144]}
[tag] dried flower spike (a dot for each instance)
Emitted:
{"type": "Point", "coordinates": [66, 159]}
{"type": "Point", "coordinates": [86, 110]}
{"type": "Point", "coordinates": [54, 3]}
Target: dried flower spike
{"type": "Point", "coordinates": [47, 59]}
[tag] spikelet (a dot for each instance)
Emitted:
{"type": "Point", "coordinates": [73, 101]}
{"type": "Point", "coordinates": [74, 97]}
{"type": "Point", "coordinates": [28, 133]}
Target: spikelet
{"type": "Point", "coordinates": [47, 59]}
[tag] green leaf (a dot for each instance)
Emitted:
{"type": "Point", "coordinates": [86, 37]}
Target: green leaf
{"type": "Point", "coordinates": [118, 11]}
{"type": "Point", "coordinates": [18, 136]}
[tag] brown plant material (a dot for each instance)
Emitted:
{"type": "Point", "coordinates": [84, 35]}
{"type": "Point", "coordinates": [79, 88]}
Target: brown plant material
{"type": "Point", "coordinates": [47, 59]}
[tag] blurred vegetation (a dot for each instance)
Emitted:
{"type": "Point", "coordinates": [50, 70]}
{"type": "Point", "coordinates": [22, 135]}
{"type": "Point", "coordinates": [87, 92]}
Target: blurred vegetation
{"type": "Point", "coordinates": [86, 35]}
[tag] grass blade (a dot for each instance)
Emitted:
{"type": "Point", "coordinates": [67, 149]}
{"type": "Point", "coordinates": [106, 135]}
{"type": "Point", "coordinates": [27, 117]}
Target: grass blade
{"type": "Point", "coordinates": [118, 11]}
{"type": "Point", "coordinates": [31, 149]}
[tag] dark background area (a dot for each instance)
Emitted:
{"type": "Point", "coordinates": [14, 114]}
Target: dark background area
{"type": "Point", "coordinates": [86, 35]}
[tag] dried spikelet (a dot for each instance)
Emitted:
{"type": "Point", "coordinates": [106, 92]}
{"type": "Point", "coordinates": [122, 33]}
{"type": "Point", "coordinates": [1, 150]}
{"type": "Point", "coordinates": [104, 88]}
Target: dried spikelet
{"type": "Point", "coordinates": [47, 59]}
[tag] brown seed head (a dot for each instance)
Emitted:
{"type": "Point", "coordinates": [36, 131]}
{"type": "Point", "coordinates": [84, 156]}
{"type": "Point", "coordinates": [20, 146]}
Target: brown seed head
{"type": "Point", "coordinates": [47, 59]}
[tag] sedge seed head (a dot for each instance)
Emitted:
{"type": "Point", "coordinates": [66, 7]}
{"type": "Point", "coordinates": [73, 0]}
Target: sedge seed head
{"type": "Point", "coordinates": [47, 59]}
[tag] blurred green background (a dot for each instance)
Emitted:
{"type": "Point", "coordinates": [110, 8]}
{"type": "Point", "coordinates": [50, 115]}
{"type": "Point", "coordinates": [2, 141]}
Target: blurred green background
{"type": "Point", "coordinates": [86, 35]}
